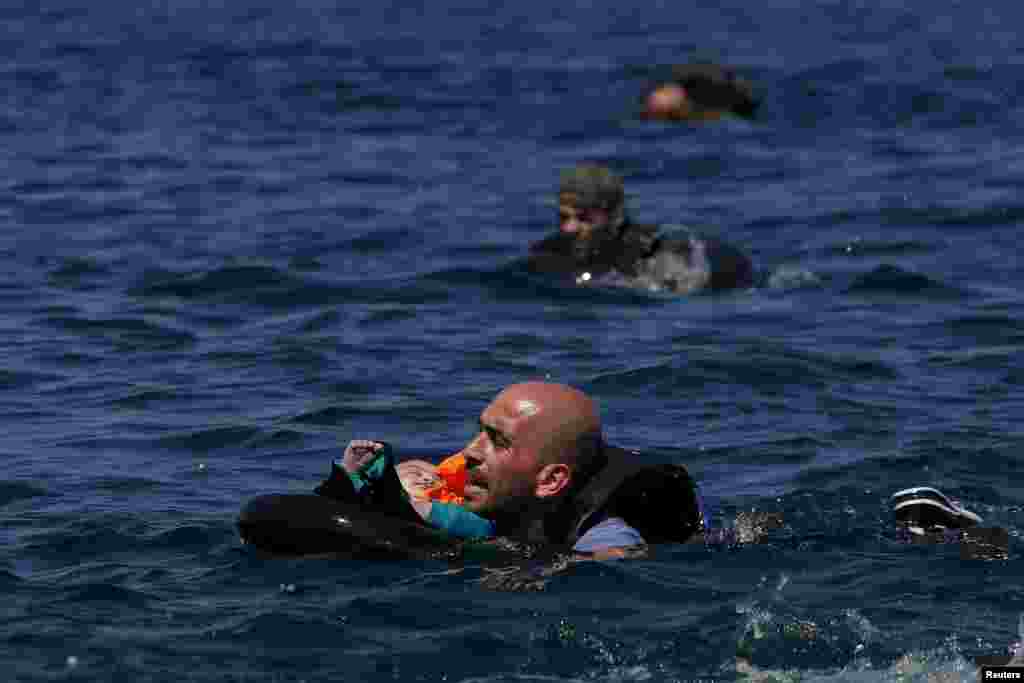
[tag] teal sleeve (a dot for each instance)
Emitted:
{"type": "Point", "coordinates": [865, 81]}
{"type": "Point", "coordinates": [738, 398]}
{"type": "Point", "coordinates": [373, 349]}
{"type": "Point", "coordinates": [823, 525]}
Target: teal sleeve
{"type": "Point", "coordinates": [370, 472]}
{"type": "Point", "coordinates": [458, 521]}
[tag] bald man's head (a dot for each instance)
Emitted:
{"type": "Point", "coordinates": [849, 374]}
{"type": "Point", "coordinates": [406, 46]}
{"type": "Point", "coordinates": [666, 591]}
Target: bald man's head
{"type": "Point", "coordinates": [555, 417]}
{"type": "Point", "coordinates": [532, 436]}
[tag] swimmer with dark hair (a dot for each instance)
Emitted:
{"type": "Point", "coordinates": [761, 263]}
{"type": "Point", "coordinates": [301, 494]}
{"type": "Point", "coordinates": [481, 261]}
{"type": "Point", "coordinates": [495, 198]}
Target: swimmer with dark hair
{"type": "Point", "coordinates": [701, 92]}
{"type": "Point", "coordinates": [597, 243]}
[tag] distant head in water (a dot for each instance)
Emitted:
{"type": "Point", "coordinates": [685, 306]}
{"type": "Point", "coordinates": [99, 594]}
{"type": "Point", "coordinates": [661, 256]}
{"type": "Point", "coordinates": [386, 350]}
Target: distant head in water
{"type": "Point", "coordinates": [700, 92]}
{"type": "Point", "coordinates": [669, 101]}
{"type": "Point", "coordinates": [591, 205]}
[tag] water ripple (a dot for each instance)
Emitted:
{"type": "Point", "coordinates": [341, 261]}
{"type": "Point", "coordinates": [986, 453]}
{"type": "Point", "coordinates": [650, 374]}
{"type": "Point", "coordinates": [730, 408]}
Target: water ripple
{"type": "Point", "coordinates": [11, 491]}
{"type": "Point", "coordinates": [889, 280]}
{"type": "Point", "coordinates": [129, 334]}
{"type": "Point", "coordinates": [210, 439]}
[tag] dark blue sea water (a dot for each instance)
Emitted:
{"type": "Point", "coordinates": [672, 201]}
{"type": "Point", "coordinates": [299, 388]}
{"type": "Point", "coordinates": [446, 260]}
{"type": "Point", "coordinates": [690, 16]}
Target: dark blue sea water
{"type": "Point", "coordinates": [236, 235]}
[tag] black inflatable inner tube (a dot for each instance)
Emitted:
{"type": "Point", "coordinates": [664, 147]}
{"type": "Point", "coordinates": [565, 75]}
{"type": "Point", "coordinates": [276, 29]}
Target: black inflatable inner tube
{"type": "Point", "coordinates": [311, 524]}
{"type": "Point", "coordinates": [308, 524]}
{"type": "Point", "coordinates": [304, 524]}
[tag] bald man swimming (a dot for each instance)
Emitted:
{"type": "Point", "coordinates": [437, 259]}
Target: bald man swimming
{"type": "Point", "coordinates": [539, 471]}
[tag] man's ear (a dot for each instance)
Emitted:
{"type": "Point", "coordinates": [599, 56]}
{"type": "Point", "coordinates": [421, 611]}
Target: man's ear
{"type": "Point", "coordinates": [552, 479]}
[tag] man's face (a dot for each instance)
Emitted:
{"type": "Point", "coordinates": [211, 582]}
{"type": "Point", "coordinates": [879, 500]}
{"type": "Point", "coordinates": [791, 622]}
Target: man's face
{"type": "Point", "coordinates": [580, 222]}
{"type": "Point", "coordinates": [503, 461]}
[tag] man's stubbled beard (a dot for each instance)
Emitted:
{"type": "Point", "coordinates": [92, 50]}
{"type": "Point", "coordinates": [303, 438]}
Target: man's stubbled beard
{"type": "Point", "coordinates": [587, 245]}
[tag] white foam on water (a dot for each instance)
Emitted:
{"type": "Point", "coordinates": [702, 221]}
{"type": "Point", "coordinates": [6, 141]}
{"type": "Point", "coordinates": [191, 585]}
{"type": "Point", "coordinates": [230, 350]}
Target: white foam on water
{"type": "Point", "coordinates": [792, 277]}
{"type": "Point", "coordinates": [914, 667]}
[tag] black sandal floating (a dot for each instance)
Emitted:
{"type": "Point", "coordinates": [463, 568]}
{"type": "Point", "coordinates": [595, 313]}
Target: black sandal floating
{"type": "Point", "coordinates": [923, 509]}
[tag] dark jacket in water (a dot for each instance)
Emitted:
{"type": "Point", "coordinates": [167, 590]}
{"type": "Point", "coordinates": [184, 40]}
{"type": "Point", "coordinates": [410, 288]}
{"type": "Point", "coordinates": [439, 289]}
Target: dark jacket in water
{"type": "Point", "coordinates": [638, 254]}
{"type": "Point", "coordinates": [659, 501]}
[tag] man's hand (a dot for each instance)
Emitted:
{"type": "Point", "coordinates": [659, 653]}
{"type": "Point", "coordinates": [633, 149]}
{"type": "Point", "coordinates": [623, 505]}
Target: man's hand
{"type": "Point", "coordinates": [358, 453]}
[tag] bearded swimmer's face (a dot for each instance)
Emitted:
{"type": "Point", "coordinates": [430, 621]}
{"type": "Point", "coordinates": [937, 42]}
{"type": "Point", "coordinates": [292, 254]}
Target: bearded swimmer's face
{"type": "Point", "coordinates": [526, 447]}
{"type": "Point", "coordinates": [502, 461]}
{"type": "Point", "coordinates": [591, 202]}
{"type": "Point", "coordinates": [580, 222]}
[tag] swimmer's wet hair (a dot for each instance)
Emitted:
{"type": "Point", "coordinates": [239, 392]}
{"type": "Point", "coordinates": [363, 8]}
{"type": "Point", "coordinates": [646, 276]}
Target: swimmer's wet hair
{"type": "Point", "coordinates": [591, 186]}
{"type": "Point", "coordinates": [717, 87]}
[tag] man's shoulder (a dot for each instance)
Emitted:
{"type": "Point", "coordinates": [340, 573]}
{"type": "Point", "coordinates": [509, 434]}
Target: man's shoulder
{"type": "Point", "coordinates": [726, 264]}
{"type": "Point", "coordinates": [730, 265]}
{"type": "Point", "coordinates": [664, 239]}
{"type": "Point", "coordinates": [554, 253]}
{"type": "Point", "coordinates": [640, 233]}
{"type": "Point", "coordinates": [658, 498]}
{"type": "Point", "coordinates": [557, 241]}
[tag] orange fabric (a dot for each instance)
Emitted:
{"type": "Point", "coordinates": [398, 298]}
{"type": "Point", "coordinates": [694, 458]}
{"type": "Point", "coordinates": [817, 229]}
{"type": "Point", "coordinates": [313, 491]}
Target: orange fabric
{"type": "Point", "coordinates": [452, 488]}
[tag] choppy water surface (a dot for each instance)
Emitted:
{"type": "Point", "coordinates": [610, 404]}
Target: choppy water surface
{"type": "Point", "coordinates": [235, 237]}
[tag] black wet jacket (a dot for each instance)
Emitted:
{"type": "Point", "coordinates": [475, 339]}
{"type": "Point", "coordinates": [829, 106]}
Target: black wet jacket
{"type": "Point", "coordinates": [637, 253]}
{"type": "Point", "coordinates": [658, 500]}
